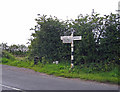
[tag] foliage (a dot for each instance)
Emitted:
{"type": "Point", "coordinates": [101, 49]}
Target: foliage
{"type": "Point", "coordinates": [46, 41]}
{"type": "Point", "coordinates": [17, 50]}
{"type": "Point", "coordinates": [100, 39]}
{"type": "Point", "coordinates": [44, 61]}
{"type": "Point", "coordinates": [7, 55]}
{"type": "Point", "coordinates": [99, 47]}
{"type": "Point", "coordinates": [4, 60]}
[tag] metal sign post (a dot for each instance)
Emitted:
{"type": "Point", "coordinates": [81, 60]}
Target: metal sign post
{"type": "Point", "coordinates": [70, 39]}
{"type": "Point", "coordinates": [118, 14]}
{"type": "Point", "coordinates": [119, 7]}
{"type": "Point", "coordinates": [119, 10]}
{"type": "Point", "coordinates": [72, 52]}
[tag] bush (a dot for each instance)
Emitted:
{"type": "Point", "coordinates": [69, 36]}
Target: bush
{"type": "Point", "coordinates": [44, 61]}
{"type": "Point", "coordinates": [7, 55]}
{"type": "Point", "coordinates": [5, 60]}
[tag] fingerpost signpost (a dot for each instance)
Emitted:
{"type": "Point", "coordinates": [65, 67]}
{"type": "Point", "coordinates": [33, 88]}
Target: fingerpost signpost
{"type": "Point", "coordinates": [70, 39]}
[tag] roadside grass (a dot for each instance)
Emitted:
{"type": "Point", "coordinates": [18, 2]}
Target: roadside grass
{"type": "Point", "coordinates": [63, 70]}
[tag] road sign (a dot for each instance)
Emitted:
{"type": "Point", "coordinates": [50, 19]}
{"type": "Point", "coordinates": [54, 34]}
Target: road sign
{"type": "Point", "coordinates": [66, 39]}
{"type": "Point", "coordinates": [69, 39]}
{"type": "Point", "coordinates": [77, 37]}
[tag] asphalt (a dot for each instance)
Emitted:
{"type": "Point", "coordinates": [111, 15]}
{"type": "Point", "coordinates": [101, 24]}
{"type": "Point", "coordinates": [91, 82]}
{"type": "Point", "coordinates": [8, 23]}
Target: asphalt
{"type": "Point", "coordinates": [14, 78]}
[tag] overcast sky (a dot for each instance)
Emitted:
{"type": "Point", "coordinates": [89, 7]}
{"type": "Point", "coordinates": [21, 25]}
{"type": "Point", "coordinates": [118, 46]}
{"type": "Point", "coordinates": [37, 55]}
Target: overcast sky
{"type": "Point", "coordinates": [17, 16]}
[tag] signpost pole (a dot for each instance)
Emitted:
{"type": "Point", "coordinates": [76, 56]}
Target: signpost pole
{"type": "Point", "coordinates": [72, 52]}
{"type": "Point", "coordinates": [119, 10]}
{"type": "Point", "coordinates": [118, 14]}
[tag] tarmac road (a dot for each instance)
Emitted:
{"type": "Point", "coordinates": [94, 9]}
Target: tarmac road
{"type": "Point", "coordinates": [14, 78]}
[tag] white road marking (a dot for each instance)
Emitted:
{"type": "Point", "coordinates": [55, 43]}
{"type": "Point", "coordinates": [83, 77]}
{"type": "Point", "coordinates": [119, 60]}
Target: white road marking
{"type": "Point", "coordinates": [10, 87]}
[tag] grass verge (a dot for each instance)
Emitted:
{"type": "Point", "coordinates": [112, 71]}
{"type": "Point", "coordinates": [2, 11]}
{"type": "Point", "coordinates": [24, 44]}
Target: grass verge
{"type": "Point", "coordinates": [63, 70]}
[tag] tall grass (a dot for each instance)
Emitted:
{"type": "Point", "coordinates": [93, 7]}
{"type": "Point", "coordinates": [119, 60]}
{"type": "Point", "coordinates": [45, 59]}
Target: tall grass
{"type": "Point", "coordinates": [63, 69]}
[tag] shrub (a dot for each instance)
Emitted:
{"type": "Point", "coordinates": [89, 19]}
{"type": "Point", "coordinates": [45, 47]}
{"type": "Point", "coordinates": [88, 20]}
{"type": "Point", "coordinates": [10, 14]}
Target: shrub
{"type": "Point", "coordinates": [4, 60]}
{"type": "Point", "coordinates": [44, 61]}
{"type": "Point", "coordinates": [7, 55]}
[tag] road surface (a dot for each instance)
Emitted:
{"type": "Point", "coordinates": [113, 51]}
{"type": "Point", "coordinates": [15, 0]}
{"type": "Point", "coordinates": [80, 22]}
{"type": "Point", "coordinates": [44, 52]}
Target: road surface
{"type": "Point", "coordinates": [14, 78]}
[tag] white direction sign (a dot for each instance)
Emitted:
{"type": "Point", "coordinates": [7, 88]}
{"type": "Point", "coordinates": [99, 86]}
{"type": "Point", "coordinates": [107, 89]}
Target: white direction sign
{"type": "Point", "coordinates": [69, 39]}
{"type": "Point", "coordinates": [66, 39]}
{"type": "Point", "coordinates": [77, 37]}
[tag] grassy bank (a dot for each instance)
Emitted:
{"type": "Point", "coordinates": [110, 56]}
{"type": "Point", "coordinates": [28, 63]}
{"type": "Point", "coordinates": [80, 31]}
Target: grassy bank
{"type": "Point", "coordinates": [63, 70]}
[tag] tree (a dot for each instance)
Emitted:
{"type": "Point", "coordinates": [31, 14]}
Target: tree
{"type": "Point", "coordinates": [46, 38]}
{"type": "Point", "coordinates": [4, 46]}
{"type": "Point", "coordinates": [18, 50]}
{"type": "Point", "coordinates": [110, 40]}
{"type": "Point", "coordinates": [100, 39]}
{"type": "Point", "coordinates": [99, 45]}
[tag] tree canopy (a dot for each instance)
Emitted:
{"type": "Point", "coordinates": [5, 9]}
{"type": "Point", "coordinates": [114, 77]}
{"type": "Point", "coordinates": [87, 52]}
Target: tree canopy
{"type": "Point", "coordinates": [100, 39]}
